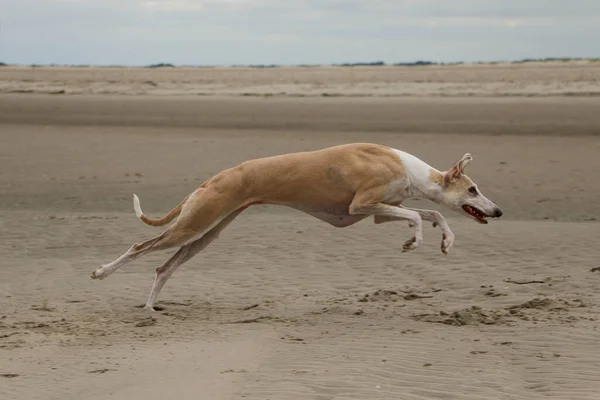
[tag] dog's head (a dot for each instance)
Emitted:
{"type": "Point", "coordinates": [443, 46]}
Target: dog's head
{"type": "Point", "coordinates": [460, 193]}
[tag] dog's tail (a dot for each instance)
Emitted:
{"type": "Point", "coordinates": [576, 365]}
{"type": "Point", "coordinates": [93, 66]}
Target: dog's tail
{"type": "Point", "coordinates": [174, 213]}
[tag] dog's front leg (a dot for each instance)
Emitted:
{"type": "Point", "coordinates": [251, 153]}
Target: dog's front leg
{"type": "Point", "coordinates": [432, 216]}
{"type": "Point", "coordinates": [438, 220]}
{"type": "Point", "coordinates": [386, 211]}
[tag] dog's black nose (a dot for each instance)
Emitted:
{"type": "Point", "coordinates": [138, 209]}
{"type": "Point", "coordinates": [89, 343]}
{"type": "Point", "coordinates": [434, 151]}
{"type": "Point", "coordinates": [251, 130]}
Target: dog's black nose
{"type": "Point", "coordinates": [498, 213]}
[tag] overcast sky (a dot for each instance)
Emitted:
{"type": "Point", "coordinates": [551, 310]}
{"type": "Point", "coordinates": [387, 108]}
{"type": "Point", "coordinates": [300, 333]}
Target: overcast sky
{"type": "Point", "coordinates": [226, 32]}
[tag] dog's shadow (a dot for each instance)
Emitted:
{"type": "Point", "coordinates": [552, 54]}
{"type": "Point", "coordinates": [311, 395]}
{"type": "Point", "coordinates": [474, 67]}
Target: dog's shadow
{"type": "Point", "coordinates": [167, 303]}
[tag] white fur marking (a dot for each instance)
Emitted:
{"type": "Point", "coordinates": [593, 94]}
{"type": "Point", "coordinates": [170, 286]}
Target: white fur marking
{"type": "Point", "coordinates": [137, 207]}
{"type": "Point", "coordinates": [419, 176]}
{"type": "Point", "coordinates": [415, 168]}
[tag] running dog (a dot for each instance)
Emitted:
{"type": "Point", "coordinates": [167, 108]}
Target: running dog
{"type": "Point", "coordinates": [340, 185]}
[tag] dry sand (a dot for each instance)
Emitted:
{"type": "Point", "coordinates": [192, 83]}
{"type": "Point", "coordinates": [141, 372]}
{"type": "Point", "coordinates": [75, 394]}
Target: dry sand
{"type": "Point", "coordinates": [574, 78]}
{"type": "Point", "coordinates": [283, 306]}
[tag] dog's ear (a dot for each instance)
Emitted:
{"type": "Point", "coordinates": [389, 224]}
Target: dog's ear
{"type": "Point", "coordinates": [464, 161]}
{"type": "Point", "coordinates": [454, 173]}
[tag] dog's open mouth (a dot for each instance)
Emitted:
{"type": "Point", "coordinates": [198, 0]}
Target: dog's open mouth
{"type": "Point", "coordinates": [479, 215]}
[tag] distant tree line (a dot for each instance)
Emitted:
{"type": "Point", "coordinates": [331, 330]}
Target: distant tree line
{"type": "Point", "coordinates": [419, 63]}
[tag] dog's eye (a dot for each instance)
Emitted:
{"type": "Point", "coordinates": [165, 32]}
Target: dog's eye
{"type": "Point", "coordinates": [473, 190]}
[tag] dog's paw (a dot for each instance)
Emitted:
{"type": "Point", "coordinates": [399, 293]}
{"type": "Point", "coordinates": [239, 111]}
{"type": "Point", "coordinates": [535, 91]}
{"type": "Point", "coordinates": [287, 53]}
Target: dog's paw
{"type": "Point", "coordinates": [412, 244]}
{"type": "Point", "coordinates": [447, 241]}
{"type": "Point", "coordinates": [98, 274]}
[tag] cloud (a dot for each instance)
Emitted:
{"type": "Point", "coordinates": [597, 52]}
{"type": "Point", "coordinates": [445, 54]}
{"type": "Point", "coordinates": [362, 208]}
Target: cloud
{"type": "Point", "coordinates": [199, 5]}
{"type": "Point", "coordinates": [184, 5]}
{"type": "Point", "coordinates": [301, 31]}
{"type": "Point", "coordinates": [465, 22]}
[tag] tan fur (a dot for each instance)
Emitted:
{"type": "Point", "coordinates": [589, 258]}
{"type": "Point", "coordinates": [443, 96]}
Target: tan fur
{"type": "Point", "coordinates": [167, 218]}
{"type": "Point", "coordinates": [460, 185]}
{"type": "Point", "coordinates": [329, 180]}
{"type": "Point", "coordinates": [436, 177]}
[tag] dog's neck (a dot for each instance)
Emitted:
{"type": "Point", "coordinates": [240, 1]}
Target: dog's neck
{"type": "Point", "coordinates": [424, 180]}
{"type": "Point", "coordinates": [430, 189]}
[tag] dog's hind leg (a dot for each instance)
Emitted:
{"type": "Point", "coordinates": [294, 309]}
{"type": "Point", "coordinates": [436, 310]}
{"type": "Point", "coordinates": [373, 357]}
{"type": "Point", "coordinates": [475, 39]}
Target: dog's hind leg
{"type": "Point", "coordinates": [186, 252]}
{"type": "Point", "coordinates": [169, 238]}
{"type": "Point", "coordinates": [203, 211]}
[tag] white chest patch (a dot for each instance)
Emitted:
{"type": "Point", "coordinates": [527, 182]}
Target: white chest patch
{"type": "Point", "coordinates": [416, 169]}
{"type": "Point", "coordinates": [418, 174]}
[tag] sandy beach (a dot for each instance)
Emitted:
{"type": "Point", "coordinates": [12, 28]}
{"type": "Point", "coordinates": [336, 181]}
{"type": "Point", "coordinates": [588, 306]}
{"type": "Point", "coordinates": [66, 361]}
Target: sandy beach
{"type": "Point", "coordinates": [283, 306]}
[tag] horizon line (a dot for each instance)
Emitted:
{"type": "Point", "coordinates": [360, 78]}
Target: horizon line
{"type": "Point", "coordinates": [307, 65]}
